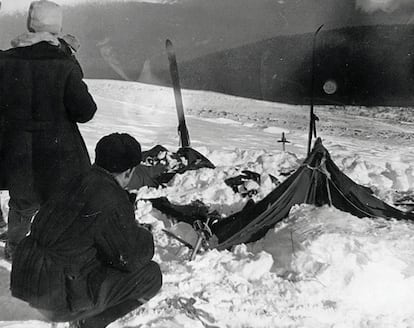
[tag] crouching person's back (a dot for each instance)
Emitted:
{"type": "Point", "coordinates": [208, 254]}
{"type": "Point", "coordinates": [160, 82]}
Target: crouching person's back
{"type": "Point", "coordinates": [86, 259]}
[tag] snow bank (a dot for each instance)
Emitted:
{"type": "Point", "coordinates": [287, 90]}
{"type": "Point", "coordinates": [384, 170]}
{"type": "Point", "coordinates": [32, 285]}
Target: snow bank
{"type": "Point", "coordinates": [319, 268]}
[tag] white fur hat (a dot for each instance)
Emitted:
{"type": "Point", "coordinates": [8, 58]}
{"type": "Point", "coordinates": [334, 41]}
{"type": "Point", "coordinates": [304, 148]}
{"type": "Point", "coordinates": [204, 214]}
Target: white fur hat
{"type": "Point", "coordinates": [45, 16]}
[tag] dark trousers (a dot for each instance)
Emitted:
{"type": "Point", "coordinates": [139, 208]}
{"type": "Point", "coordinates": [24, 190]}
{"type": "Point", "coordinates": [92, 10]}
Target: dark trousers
{"type": "Point", "coordinates": [17, 165]}
{"type": "Point", "coordinates": [21, 213]}
{"type": "Point", "coordinates": [119, 294]}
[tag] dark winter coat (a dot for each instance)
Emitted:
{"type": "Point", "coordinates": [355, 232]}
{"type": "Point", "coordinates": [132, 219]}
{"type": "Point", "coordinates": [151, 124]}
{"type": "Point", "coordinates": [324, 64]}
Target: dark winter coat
{"type": "Point", "coordinates": [42, 97]}
{"type": "Point", "coordinates": [75, 237]}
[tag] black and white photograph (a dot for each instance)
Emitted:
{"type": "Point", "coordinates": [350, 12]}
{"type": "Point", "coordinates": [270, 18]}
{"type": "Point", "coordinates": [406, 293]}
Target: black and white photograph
{"type": "Point", "coordinates": [207, 163]}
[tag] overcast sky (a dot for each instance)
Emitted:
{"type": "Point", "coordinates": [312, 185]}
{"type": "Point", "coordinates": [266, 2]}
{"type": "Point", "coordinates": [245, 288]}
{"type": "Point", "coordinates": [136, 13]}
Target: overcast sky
{"type": "Point", "coordinates": [8, 6]}
{"type": "Point", "coordinates": [23, 5]}
{"type": "Point", "coordinates": [365, 5]}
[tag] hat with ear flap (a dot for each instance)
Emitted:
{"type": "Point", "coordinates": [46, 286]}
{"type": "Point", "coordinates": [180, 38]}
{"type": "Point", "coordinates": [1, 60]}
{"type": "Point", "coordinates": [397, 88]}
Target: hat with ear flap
{"type": "Point", "coordinates": [118, 152]}
{"type": "Point", "coordinates": [45, 16]}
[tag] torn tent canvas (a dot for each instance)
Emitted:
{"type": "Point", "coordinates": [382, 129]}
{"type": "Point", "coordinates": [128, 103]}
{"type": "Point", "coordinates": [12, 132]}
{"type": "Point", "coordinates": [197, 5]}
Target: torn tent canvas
{"type": "Point", "coordinates": [188, 213]}
{"type": "Point", "coordinates": [317, 181]}
{"type": "Point", "coordinates": [160, 165]}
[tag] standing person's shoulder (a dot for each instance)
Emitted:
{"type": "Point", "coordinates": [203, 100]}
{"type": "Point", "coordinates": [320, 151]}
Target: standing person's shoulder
{"type": "Point", "coordinates": [8, 53]}
{"type": "Point", "coordinates": [24, 48]}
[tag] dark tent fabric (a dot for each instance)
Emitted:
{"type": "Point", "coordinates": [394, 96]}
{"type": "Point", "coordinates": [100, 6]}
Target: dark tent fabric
{"type": "Point", "coordinates": [194, 160]}
{"type": "Point", "coordinates": [184, 213]}
{"type": "Point", "coordinates": [317, 181]}
{"type": "Point", "coordinates": [155, 168]}
{"type": "Point", "coordinates": [144, 175]}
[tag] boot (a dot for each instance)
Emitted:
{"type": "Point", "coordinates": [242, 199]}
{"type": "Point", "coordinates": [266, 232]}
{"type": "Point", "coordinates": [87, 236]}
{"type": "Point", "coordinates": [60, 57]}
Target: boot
{"type": "Point", "coordinates": [108, 316]}
{"type": "Point", "coordinates": [76, 324]}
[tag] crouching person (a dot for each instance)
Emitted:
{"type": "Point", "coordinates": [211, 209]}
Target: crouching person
{"type": "Point", "coordinates": [86, 259]}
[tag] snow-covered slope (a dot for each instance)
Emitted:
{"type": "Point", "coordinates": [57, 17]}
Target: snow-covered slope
{"type": "Point", "coordinates": [321, 268]}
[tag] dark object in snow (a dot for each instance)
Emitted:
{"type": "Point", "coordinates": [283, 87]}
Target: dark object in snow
{"type": "Point", "coordinates": [186, 306]}
{"type": "Point", "coordinates": [195, 160]}
{"type": "Point", "coordinates": [182, 127]}
{"type": "Point", "coordinates": [404, 198]}
{"type": "Point", "coordinates": [189, 213]}
{"type": "Point", "coordinates": [274, 180]}
{"type": "Point", "coordinates": [317, 181]}
{"type": "Point", "coordinates": [149, 155]}
{"type": "Point", "coordinates": [286, 173]}
{"type": "Point", "coordinates": [238, 183]}
{"type": "Point", "coordinates": [160, 166]}
{"type": "Point", "coordinates": [235, 182]}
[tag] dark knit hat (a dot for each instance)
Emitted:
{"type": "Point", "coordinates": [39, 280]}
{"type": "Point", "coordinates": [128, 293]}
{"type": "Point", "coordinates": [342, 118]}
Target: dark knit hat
{"type": "Point", "coordinates": [117, 152]}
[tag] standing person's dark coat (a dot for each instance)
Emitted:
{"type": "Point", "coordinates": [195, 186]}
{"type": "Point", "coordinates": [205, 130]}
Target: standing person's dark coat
{"type": "Point", "coordinates": [42, 98]}
{"type": "Point", "coordinates": [86, 256]}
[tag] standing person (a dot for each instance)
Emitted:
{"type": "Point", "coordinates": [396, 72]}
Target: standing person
{"type": "Point", "coordinates": [86, 258]}
{"type": "Point", "coordinates": [42, 98]}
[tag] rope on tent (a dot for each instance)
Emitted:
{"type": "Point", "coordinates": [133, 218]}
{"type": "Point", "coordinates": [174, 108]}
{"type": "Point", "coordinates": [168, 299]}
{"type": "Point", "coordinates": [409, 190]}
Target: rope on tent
{"type": "Point", "coordinates": [322, 169]}
{"type": "Point", "coordinates": [325, 171]}
{"type": "Point", "coordinates": [328, 175]}
{"type": "Point", "coordinates": [351, 203]}
{"type": "Point", "coordinates": [329, 192]}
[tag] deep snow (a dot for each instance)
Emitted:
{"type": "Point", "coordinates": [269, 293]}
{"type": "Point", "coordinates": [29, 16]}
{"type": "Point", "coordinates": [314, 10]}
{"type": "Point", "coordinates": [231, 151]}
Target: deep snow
{"type": "Point", "coordinates": [320, 268]}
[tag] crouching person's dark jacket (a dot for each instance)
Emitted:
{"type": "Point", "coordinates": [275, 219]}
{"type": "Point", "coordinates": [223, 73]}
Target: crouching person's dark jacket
{"type": "Point", "coordinates": [75, 237]}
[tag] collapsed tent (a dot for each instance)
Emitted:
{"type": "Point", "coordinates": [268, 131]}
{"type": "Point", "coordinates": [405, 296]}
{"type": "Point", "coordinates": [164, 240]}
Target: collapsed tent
{"type": "Point", "coordinates": [317, 181]}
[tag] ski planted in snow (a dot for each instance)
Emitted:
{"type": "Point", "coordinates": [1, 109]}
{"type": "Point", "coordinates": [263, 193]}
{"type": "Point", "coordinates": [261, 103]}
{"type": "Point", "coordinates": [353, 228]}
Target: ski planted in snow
{"type": "Point", "coordinates": [182, 127]}
{"type": "Point", "coordinates": [313, 118]}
